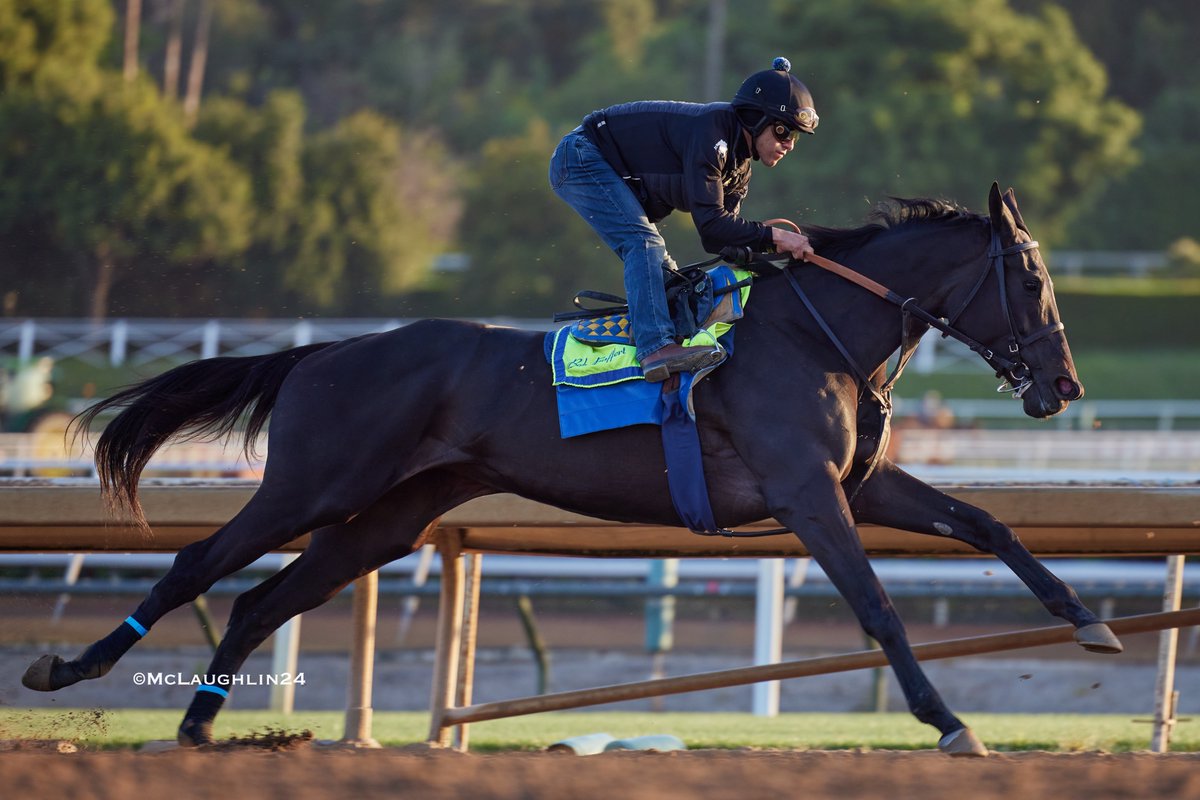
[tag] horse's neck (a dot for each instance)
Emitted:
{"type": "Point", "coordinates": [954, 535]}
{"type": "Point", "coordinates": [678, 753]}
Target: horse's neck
{"type": "Point", "coordinates": [930, 265]}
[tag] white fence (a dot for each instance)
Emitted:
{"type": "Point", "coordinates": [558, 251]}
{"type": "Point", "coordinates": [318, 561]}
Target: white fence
{"type": "Point", "coordinates": [1170, 451]}
{"type": "Point", "coordinates": [969, 454]}
{"type": "Point", "coordinates": [141, 341]}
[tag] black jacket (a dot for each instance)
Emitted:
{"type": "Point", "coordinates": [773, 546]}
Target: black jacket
{"type": "Point", "coordinates": [683, 156]}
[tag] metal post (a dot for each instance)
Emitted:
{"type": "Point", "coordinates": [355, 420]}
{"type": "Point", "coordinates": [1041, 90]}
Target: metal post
{"type": "Point", "coordinates": [362, 663]}
{"type": "Point", "coordinates": [768, 633]}
{"type": "Point", "coordinates": [119, 344]}
{"type": "Point", "coordinates": [285, 656]}
{"type": "Point", "coordinates": [26, 341]}
{"type": "Point", "coordinates": [466, 651]}
{"type": "Point", "coordinates": [70, 576]}
{"type": "Point", "coordinates": [795, 581]}
{"type": "Point", "coordinates": [412, 602]}
{"type": "Point", "coordinates": [1168, 641]}
{"type": "Point", "coordinates": [449, 633]}
{"type": "Point", "coordinates": [660, 618]}
{"type": "Point", "coordinates": [210, 342]}
{"type": "Point", "coordinates": [924, 360]}
{"type": "Point", "coordinates": [537, 646]}
{"type": "Point", "coordinates": [302, 334]}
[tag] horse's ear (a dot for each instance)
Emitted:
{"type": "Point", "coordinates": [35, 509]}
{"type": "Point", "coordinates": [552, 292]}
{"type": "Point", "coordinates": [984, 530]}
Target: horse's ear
{"type": "Point", "coordinates": [1002, 219]}
{"type": "Point", "coordinates": [1010, 200]}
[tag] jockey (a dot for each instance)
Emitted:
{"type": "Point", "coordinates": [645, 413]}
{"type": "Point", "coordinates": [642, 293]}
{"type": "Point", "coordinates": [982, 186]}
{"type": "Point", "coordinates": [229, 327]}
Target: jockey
{"type": "Point", "coordinates": [630, 165]}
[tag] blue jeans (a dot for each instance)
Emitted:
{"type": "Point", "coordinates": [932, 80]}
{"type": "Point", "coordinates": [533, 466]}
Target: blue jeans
{"type": "Point", "coordinates": [581, 177]}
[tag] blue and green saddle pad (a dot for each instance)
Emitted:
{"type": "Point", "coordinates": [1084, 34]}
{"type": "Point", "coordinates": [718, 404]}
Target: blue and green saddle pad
{"type": "Point", "coordinates": [599, 386]}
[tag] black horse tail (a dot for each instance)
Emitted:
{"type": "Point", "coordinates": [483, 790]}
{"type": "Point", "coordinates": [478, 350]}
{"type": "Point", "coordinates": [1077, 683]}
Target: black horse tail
{"type": "Point", "coordinates": [201, 399]}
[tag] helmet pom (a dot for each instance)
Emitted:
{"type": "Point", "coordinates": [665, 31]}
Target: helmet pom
{"type": "Point", "coordinates": [781, 64]}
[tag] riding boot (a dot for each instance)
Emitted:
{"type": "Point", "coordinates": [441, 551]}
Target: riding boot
{"type": "Point", "coordinates": [660, 364]}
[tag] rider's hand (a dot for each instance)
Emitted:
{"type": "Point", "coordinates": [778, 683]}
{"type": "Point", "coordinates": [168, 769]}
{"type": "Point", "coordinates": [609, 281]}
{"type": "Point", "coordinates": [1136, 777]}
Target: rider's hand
{"type": "Point", "coordinates": [796, 244]}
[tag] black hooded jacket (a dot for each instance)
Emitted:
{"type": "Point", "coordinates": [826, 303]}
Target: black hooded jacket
{"type": "Point", "coordinates": [686, 157]}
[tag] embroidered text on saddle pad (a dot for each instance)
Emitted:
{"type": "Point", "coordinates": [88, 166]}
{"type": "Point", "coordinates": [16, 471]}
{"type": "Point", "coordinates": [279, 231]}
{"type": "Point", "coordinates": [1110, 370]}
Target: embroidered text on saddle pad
{"type": "Point", "coordinates": [601, 352]}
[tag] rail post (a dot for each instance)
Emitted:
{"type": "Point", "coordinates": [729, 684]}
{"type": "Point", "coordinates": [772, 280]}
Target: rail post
{"type": "Point", "coordinates": [449, 636]}
{"type": "Point", "coordinates": [466, 650]}
{"type": "Point", "coordinates": [362, 663]}
{"type": "Point", "coordinates": [768, 633]}
{"type": "Point", "coordinates": [285, 655]}
{"type": "Point", "coordinates": [1168, 641]}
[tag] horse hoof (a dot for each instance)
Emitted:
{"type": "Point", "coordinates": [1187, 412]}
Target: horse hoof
{"type": "Point", "coordinates": [39, 676]}
{"type": "Point", "coordinates": [1098, 638]}
{"type": "Point", "coordinates": [962, 743]}
{"type": "Point", "coordinates": [193, 733]}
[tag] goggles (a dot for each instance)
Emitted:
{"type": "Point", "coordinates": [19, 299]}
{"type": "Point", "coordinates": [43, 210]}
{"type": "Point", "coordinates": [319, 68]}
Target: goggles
{"type": "Point", "coordinates": [807, 117]}
{"type": "Point", "coordinates": [785, 133]}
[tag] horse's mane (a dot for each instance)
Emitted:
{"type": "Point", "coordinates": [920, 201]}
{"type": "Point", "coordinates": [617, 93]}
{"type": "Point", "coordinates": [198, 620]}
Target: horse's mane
{"type": "Point", "coordinates": [892, 214]}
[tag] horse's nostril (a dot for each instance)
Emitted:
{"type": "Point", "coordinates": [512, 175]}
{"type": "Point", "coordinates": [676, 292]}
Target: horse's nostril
{"type": "Point", "coordinates": [1068, 389]}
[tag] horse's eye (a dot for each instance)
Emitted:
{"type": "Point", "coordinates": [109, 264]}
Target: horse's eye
{"type": "Point", "coordinates": [1032, 285]}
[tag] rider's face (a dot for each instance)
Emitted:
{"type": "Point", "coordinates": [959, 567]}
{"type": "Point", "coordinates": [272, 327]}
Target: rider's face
{"type": "Point", "coordinates": [771, 147]}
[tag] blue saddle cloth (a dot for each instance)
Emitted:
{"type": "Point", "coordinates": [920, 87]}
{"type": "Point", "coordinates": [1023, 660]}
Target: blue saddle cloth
{"type": "Point", "coordinates": [596, 374]}
{"type": "Point", "coordinates": [600, 387]}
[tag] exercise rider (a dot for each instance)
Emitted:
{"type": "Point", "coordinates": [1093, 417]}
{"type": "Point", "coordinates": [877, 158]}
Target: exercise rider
{"type": "Point", "coordinates": [630, 165]}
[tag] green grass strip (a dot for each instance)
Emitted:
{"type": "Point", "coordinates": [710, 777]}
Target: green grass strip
{"type": "Point", "coordinates": [125, 728]}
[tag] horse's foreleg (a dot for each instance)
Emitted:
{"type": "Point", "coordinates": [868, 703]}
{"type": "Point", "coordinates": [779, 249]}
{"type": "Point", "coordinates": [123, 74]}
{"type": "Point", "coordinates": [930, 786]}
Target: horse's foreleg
{"type": "Point", "coordinates": [896, 499]}
{"type": "Point", "coordinates": [829, 535]}
{"type": "Point", "coordinates": [259, 528]}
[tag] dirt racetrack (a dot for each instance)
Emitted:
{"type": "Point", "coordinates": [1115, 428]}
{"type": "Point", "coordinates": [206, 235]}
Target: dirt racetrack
{"type": "Point", "coordinates": [845, 775]}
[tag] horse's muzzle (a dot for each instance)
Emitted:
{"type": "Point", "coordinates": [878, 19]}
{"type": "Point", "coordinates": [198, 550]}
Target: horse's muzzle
{"type": "Point", "coordinates": [1067, 388]}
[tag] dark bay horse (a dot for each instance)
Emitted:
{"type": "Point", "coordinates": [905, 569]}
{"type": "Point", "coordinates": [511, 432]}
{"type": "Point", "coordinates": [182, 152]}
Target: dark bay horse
{"type": "Point", "coordinates": [372, 438]}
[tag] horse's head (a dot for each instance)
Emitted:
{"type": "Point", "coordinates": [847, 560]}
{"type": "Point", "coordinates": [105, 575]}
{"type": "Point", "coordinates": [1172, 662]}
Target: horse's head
{"type": "Point", "coordinates": [1023, 328]}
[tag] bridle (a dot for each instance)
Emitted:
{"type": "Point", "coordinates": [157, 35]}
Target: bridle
{"type": "Point", "coordinates": [1016, 372]}
{"type": "Point", "coordinates": [1011, 366]}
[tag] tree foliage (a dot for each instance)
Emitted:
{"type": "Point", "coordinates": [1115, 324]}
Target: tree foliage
{"type": "Point", "coordinates": [529, 252]}
{"type": "Point", "coordinates": [920, 97]}
{"type": "Point", "coordinates": [102, 169]}
{"type": "Point", "coordinates": [343, 145]}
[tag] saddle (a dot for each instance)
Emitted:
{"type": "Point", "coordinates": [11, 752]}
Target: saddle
{"type": "Point", "coordinates": [698, 300]}
{"type": "Point", "coordinates": [599, 350]}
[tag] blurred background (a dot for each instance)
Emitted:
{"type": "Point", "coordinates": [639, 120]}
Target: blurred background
{"type": "Point", "coordinates": [191, 178]}
{"type": "Point", "coordinates": [380, 160]}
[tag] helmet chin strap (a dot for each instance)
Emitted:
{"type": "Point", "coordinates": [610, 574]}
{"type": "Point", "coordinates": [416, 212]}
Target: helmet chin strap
{"type": "Point", "coordinates": [752, 138]}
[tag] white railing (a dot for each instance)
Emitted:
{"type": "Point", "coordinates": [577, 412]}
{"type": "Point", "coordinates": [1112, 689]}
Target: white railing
{"type": "Point", "coordinates": [1141, 451]}
{"type": "Point", "coordinates": [141, 341]}
{"type": "Point", "coordinates": [53, 454]}
{"type": "Point", "coordinates": [1126, 454]}
{"type": "Point", "coordinates": [1161, 415]}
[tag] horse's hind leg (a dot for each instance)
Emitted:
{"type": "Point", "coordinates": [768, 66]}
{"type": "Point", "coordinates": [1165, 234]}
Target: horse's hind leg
{"type": "Point", "coordinates": [894, 498]}
{"type": "Point", "coordinates": [270, 520]}
{"type": "Point", "coordinates": [336, 556]}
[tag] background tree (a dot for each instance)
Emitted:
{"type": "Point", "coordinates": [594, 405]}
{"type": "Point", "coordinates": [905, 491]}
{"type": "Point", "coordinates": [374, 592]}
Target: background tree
{"type": "Point", "coordinates": [100, 175]}
{"type": "Point", "coordinates": [380, 206]}
{"type": "Point", "coordinates": [344, 136]}
{"type": "Point", "coordinates": [1149, 48]}
{"type": "Point", "coordinates": [529, 251]}
{"type": "Point", "coordinates": [928, 98]}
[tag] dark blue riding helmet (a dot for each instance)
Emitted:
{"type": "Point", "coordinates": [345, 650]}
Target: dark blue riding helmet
{"type": "Point", "coordinates": [777, 96]}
